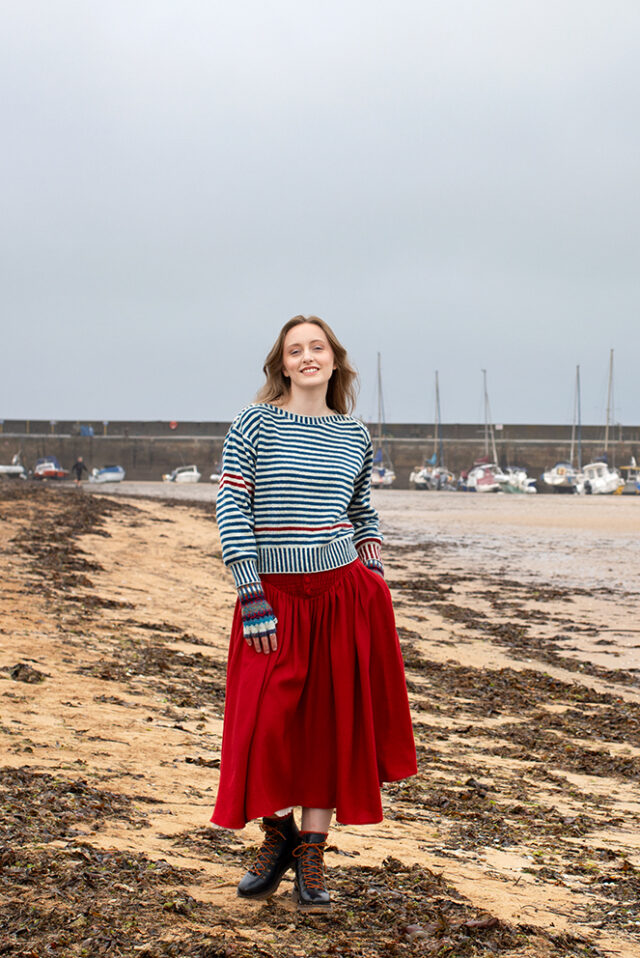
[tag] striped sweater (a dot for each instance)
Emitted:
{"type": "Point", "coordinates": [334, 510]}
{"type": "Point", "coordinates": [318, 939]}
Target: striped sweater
{"type": "Point", "coordinates": [294, 493]}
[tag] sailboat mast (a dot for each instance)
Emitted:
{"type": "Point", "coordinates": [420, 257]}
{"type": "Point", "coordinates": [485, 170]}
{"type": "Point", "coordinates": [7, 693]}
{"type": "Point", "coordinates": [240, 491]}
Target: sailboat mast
{"type": "Point", "coordinates": [493, 438]}
{"type": "Point", "coordinates": [436, 426]}
{"type": "Point", "coordinates": [579, 420]}
{"type": "Point", "coordinates": [488, 425]}
{"type": "Point", "coordinates": [575, 409]}
{"type": "Point", "coordinates": [609, 398]}
{"type": "Point", "coordinates": [439, 422]}
{"type": "Point", "coordinates": [380, 407]}
{"type": "Point", "coordinates": [486, 413]}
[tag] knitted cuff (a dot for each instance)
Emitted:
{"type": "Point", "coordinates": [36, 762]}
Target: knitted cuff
{"type": "Point", "coordinates": [250, 592]}
{"type": "Point", "coordinates": [369, 552]}
{"type": "Point", "coordinates": [244, 572]}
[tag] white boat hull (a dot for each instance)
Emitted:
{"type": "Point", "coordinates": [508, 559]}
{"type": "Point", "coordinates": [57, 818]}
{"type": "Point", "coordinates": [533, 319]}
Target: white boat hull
{"type": "Point", "coordinates": [419, 480]}
{"type": "Point", "coordinates": [516, 481]}
{"type": "Point", "coordinates": [107, 475]}
{"type": "Point", "coordinates": [432, 478]}
{"type": "Point", "coordinates": [598, 479]}
{"type": "Point", "coordinates": [382, 478]}
{"type": "Point", "coordinates": [13, 472]}
{"type": "Point", "coordinates": [485, 478]}
{"type": "Point", "coordinates": [563, 477]}
{"type": "Point", "coordinates": [183, 474]}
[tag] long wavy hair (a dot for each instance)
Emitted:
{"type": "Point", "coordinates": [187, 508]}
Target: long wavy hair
{"type": "Point", "coordinates": [342, 388]}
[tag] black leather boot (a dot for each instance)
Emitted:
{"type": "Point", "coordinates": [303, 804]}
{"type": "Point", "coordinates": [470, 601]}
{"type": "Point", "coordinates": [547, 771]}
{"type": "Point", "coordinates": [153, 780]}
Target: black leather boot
{"type": "Point", "coordinates": [274, 858]}
{"type": "Point", "coordinates": [309, 881]}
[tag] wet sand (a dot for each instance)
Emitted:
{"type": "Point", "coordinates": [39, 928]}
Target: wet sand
{"type": "Point", "coordinates": [519, 836]}
{"type": "Point", "coordinates": [498, 529]}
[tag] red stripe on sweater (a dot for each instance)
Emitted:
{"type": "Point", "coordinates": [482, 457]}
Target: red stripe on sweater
{"type": "Point", "coordinates": [237, 482]}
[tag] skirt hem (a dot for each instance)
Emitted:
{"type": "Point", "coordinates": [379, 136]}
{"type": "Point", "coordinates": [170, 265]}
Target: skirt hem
{"type": "Point", "coordinates": [364, 819]}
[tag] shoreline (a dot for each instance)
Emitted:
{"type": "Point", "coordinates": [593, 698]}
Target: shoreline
{"type": "Point", "coordinates": [522, 823]}
{"type": "Point", "coordinates": [529, 526]}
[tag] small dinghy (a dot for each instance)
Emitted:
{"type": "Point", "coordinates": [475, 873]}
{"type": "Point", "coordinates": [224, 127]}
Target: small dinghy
{"type": "Point", "coordinates": [15, 471]}
{"type": "Point", "coordinates": [182, 474]}
{"type": "Point", "coordinates": [107, 474]}
{"type": "Point", "coordinates": [49, 468]}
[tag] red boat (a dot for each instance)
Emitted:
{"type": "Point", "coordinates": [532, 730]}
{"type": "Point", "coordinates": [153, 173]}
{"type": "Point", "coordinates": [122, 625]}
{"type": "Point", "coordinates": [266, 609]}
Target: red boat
{"type": "Point", "coordinates": [49, 468]}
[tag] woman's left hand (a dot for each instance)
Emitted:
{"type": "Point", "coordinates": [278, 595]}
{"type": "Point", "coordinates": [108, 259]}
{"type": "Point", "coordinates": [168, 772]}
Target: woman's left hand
{"type": "Point", "coordinates": [258, 621]}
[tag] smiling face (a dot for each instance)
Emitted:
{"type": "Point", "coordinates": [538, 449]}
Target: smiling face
{"type": "Point", "coordinates": [307, 358]}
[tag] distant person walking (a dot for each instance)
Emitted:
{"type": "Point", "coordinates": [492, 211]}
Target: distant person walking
{"type": "Point", "coordinates": [316, 711]}
{"type": "Point", "coordinates": [77, 469]}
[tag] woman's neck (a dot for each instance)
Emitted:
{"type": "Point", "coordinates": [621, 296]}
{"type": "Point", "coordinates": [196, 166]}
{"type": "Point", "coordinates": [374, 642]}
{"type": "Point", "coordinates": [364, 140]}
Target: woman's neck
{"type": "Point", "coordinates": [306, 403]}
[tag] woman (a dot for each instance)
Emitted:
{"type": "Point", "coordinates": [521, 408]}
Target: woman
{"type": "Point", "coordinates": [316, 710]}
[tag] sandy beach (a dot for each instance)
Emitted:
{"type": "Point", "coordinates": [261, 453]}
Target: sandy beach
{"type": "Point", "coordinates": [518, 618]}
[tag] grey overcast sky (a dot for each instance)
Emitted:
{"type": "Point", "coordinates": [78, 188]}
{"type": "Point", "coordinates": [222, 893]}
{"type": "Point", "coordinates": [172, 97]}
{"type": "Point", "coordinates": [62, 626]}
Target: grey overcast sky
{"type": "Point", "coordinates": [455, 184]}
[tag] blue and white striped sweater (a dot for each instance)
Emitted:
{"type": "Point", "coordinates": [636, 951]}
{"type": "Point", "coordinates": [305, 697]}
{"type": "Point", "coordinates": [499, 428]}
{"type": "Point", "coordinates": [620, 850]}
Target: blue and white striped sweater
{"type": "Point", "coordinates": [294, 495]}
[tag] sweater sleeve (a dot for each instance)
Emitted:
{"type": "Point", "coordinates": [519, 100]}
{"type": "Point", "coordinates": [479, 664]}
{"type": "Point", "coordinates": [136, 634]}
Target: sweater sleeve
{"type": "Point", "coordinates": [362, 515]}
{"type": "Point", "coordinates": [234, 505]}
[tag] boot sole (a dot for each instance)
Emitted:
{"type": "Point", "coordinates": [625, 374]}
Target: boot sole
{"type": "Point", "coordinates": [311, 907]}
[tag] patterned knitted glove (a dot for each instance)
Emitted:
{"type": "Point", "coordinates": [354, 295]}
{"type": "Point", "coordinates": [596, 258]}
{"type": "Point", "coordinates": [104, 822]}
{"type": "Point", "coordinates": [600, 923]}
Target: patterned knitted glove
{"type": "Point", "coordinates": [369, 552]}
{"type": "Point", "coordinates": [258, 620]}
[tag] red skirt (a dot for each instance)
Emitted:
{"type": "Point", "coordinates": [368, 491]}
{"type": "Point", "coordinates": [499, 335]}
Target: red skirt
{"type": "Point", "coordinates": [324, 720]}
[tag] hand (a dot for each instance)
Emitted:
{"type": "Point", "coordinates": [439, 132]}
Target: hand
{"type": "Point", "coordinates": [258, 620]}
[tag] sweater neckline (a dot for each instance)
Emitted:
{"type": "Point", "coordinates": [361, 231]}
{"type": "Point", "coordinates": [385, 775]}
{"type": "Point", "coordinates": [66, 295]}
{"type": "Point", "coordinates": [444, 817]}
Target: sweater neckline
{"type": "Point", "coordinates": [297, 417]}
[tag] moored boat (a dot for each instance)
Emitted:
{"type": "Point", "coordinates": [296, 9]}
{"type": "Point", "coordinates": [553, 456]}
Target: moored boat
{"type": "Point", "coordinates": [433, 474]}
{"type": "Point", "coordinates": [382, 476]}
{"type": "Point", "coordinates": [599, 479]}
{"type": "Point", "coordinates": [516, 481]}
{"type": "Point", "coordinates": [14, 471]}
{"type": "Point", "coordinates": [48, 468]}
{"type": "Point", "coordinates": [382, 473]}
{"type": "Point", "coordinates": [485, 477]}
{"type": "Point", "coordinates": [563, 477]}
{"type": "Point", "coordinates": [182, 474]}
{"type": "Point", "coordinates": [631, 477]}
{"type": "Point", "coordinates": [107, 474]}
{"type": "Point", "coordinates": [419, 478]}
{"type": "Point", "coordinates": [432, 477]}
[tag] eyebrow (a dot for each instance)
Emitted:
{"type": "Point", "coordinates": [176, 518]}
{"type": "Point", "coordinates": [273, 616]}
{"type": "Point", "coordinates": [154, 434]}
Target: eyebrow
{"type": "Point", "coordinates": [290, 346]}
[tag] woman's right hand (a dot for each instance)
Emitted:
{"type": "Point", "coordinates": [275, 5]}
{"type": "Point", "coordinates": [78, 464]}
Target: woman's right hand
{"type": "Point", "coordinates": [258, 621]}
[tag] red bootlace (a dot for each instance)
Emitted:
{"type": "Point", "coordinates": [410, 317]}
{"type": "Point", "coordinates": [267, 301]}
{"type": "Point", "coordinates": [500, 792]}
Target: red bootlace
{"type": "Point", "coordinates": [312, 855]}
{"type": "Point", "coordinates": [268, 850]}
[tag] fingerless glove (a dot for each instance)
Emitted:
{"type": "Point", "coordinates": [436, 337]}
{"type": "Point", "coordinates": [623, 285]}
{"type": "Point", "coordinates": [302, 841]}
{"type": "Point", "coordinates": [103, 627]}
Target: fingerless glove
{"type": "Point", "coordinates": [257, 615]}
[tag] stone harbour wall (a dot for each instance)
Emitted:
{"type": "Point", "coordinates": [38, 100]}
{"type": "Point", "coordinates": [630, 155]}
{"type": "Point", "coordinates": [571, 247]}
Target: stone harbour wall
{"type": "Point", "coordinates": [147, 450]}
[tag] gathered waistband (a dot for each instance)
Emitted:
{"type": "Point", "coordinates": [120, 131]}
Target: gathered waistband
{"type": "Point", "coordinates": [307, 583]}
